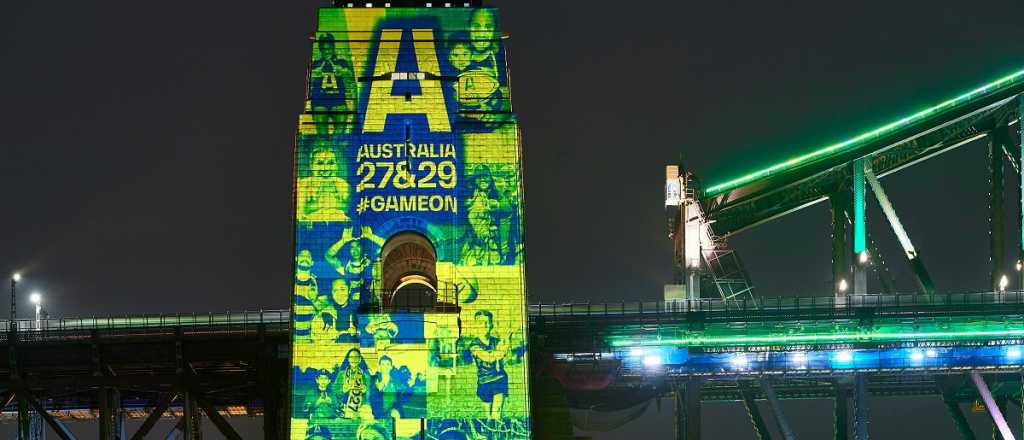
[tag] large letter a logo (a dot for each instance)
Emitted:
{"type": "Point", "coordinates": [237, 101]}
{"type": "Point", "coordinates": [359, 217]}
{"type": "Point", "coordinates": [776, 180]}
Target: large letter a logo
{"type": "Point", "coordinates": [431, 99]}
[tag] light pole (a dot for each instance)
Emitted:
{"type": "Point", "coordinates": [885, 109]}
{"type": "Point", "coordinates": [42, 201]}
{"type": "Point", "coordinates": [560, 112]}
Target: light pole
{"type": "Point", "coordinates": [37, 299]}
{"type": "Point", "coordinates": [14, 283]}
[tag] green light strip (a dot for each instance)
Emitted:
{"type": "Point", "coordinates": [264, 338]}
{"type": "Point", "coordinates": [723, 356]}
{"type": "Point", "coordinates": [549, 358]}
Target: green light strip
{"type": "Point", "coordinates": [860, 231]}
{"type": "Point", "coordinates": [916, 117]}
{"type": "Point", "coordinates": [698, 341]}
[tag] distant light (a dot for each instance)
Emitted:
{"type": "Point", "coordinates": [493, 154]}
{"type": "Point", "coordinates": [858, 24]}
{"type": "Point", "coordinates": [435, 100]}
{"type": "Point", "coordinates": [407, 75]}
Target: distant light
{"type": "Point", "coordinates": [739, 360]}
{"type": "Point", "coordinates": [1003, 283]}
{"type": "Point", "coordinates": [863, 257]}
{"type": "Point", "coordinates": [931, 353]}
{"type": "Point", "coordinates": [842, 285]}
{"type": "Point", "coordinates": [1013, 353]}
{"type": "Point", "coordinates": [844, 356]}
{"type": "Point", "coordinates": [35, 298]}
{"type": "Point", "coordinates": [652, 361]}
{"type": "Point", "coordinates": [799, 359]}
{"type": "Point", "coordinates": [16, 277]}
{"type": "Point", "coordinates": [1020, 265]}
{"type": "Point", "coordinates": [916, 355]}
{"type": "Point", "coordinates": [636, 352]}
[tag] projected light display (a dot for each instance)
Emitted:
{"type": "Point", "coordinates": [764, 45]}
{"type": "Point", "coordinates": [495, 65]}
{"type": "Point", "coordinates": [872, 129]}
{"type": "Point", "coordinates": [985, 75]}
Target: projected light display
{"type": "Point", "coordinates": [409, 301]}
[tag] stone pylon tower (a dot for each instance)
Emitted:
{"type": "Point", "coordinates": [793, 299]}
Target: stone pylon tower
{"type": "Point", "coordinates": [409, 301]}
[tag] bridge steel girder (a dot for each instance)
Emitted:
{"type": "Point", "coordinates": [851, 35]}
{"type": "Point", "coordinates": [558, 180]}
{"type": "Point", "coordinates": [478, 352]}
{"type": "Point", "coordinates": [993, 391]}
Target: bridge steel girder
{"type": "Point", "coordinates": [840, 414]}
{"type": "Point", "coordinates": [761, 431]}
{"type": "Point", "coordinates": [57, 426]}
{"type": "Point", "coordinates": [860, 228]}
{"type": "Point", "coordinates": [860, 407]}
{"type": "Point", "coordinates": [921, 275]}
{"type": "Point", "coordinates": [992, 406]}
{"type": "Point", "coordinates": [222, 425]}
{"type": "Point", "coordinates": [995, 202]}
{"type": "Point", "coordinates": [840, 269]}
{"type": "Point", "coordinates": [155, 415]}
{"type": "Point", "coordinates": [947, 387]}
{"type": "Point", "coordinates": [1018, 148]}
{"type": "Point", "coordinates": [780, 416]}
{"type": "Point", "coordinates": [959, 420]}
{"type": "Point", "coordinates": [775, 195]}
{"type": "Point", "coordinates": [24, 418]}
{"type": "Point", "coordinates": [191, 417]}
{"type": "Point", "coordinates": [687, 410]}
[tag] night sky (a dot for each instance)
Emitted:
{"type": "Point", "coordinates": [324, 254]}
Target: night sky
{"type": "Point", "coordinates": [146, 149]}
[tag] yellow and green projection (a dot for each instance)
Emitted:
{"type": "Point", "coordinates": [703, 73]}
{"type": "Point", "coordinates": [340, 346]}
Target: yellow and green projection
{"type": "Point", "coordinates": [409, 301]}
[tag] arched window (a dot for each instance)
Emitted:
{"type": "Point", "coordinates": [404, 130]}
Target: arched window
{"type": "Point", "coordinates": [408, 272]}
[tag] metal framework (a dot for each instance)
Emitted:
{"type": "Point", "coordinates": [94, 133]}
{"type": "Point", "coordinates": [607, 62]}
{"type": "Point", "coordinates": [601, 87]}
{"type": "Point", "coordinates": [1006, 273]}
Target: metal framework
{"type": "Point", "coordinates": [184, 366]}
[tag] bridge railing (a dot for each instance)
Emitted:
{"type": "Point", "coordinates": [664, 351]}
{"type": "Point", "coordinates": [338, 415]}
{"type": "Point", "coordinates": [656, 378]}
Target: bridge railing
{"type": "Point", "coordinates": [247, 319]}
{"type": "Point", "coordinates": [780, 304]}
{"type": "Point", "coordinates": [243, 319]}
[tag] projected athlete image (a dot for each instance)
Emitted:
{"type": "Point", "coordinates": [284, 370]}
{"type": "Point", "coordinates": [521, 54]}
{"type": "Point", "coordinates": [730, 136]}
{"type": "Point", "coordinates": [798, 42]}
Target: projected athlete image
{"type": "Point", "coordinates": [409, 301]}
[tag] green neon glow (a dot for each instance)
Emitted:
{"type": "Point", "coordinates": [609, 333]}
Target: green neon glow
{"type": "Point", "coordinates": [835, 148]}
{"type": "Point", "coordinates": [859, 228]}
{"type": "Point", "coordinates": [1020, 160]}
{"type": "Point", "coordinates": [698, 341]}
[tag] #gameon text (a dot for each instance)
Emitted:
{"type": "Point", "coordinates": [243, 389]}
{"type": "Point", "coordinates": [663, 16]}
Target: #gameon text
{"type": "Point", "coordinates": [415, 203]}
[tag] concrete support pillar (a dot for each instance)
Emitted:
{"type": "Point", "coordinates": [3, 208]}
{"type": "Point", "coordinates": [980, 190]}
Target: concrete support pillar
{"type": "Point", "coordinates": [860, 407]}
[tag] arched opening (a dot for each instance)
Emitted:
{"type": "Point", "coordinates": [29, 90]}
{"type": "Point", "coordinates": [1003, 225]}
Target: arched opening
{"type": "Point", "coordinates": [408, 272]}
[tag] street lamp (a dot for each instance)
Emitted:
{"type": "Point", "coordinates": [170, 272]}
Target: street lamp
{"type": "Point", "coordinates": [14, 283]}
{"type": "Point", "coordinates": [37, 299]}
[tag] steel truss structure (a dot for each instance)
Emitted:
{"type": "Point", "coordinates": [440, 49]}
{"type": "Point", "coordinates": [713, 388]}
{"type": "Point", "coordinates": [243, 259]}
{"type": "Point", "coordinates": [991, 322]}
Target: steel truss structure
{"type": "Point", "coordinates": [851, 343]}
{"type": "Point", "coordinates": [181, 366]}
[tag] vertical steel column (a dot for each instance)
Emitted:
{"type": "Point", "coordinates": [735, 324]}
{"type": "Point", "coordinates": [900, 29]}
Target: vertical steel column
{"type": "Point", "coordinates": [990, 404]}
{"type": "Point", "coordinates": [693, 387]}
{"type": "Point", "coordinates": [1020, 199]}
{"type": "Point", "coordinates": [840, 269]}
{"type": "Point", "coordinates": [860, 231]}
{"type": "Point", "coordinates": [959, 420]}
{"type": "Point", "coordinates": [24, 419]}
{"type": "Point", "coordinates": [756, 420]}
{"type": "Point", "coordinates": [192, 418]}
{"type": "Point", "coordinates": [106, 416]}
{"type": "Point", "coordinates": [687, 410]}
{"type": "Point", "coordinates": [840, 415]}
{"type": "Point", "coordinates": [679, 413]}
{"type": "Point", "coordinates": [860, 407]}
{"type": "Point", "coordinates": [780, 417]}
{"type": "Point", "coordinates": [995, 203]}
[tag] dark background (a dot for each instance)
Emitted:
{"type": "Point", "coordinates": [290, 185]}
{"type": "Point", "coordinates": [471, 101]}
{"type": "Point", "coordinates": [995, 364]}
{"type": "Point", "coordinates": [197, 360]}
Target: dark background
{"type": "Point", "coordinates": [146, 148]}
